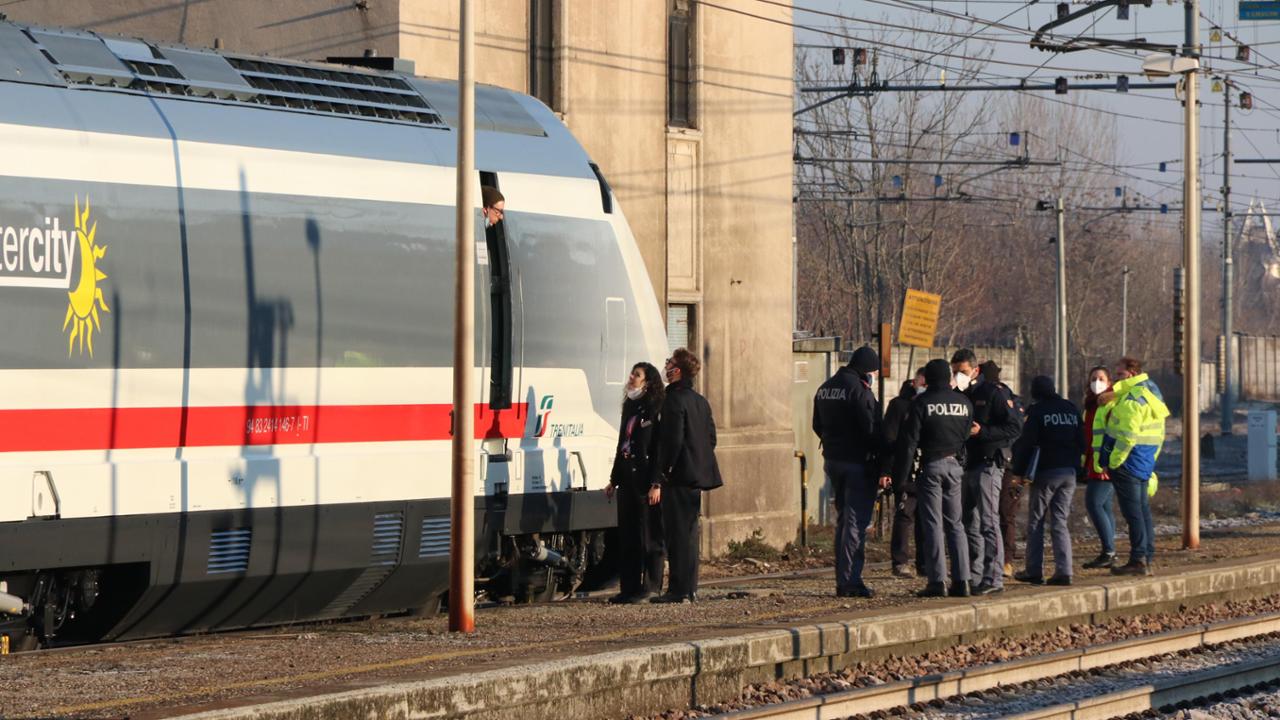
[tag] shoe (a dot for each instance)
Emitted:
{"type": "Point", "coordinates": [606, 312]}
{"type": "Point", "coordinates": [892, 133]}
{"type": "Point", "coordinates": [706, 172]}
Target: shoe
{"type": "Point", "coordinates": [667, 598]}
{"type": "Point", "coordinates": [1104, 560]}
{"type": "Point", "coordinates": [1008, 569]}
{"type": "Point", "coordinates": [1026, 577]}
{"type": "Point", "coordinates": [1059, 580]}
{"type": "Point", "coordinates": [1151, 569]}
{"type": "Point", "coordinates": [1133, 567]}
{"type": "Point", "coordinates": [903, 571]}
{"type": "Point", "coordinates": [858, 591]}
{"type": "Point", "coordinates": [959, 590]}
{"type": "Point", "coordinates": [988, 589]}
{"type": "Point", "coordinates": [933, 590]}
{"type": "Point", "coordinates": [621, 599]}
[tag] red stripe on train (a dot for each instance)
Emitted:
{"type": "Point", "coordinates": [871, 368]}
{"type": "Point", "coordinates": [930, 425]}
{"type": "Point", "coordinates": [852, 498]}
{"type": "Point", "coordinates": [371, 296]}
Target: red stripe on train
{"type": "Point", "coordinates": [131, 428]}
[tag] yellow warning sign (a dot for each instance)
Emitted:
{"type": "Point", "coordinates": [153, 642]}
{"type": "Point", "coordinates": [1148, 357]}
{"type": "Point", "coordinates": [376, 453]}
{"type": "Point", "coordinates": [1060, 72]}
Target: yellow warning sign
{"type": "Point", "coordinates": [919, 318]}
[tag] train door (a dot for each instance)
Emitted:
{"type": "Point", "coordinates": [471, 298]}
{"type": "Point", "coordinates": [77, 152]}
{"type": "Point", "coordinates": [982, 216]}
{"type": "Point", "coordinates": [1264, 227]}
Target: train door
{"type": "Point", "coordinates": [501, 421]}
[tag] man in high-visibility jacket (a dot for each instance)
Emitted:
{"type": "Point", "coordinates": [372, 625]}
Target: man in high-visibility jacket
{"type": "Point", "coordinates": [1128, 433]}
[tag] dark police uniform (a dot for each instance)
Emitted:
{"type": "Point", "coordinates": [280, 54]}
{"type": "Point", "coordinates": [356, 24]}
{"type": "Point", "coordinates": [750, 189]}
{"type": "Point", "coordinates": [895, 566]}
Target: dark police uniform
{"type": "Point", "coordinates": [938, 425]}
{"type": "Point", "coordinates": [1050, 450]}
{"type": "Point", "coordinates": [847, 418]}
{"type": "Point", "coordinates": [987, 454]}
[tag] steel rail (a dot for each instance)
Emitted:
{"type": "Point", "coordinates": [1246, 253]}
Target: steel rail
{"type": "Point", "coordinates": [928, 688]}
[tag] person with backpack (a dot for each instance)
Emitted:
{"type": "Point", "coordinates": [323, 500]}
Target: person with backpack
{"type": "Point", "coordinates": [1049, 453]}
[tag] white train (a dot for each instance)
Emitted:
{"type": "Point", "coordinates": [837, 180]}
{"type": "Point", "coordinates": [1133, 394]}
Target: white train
{"type": "Point", "coordinates": [226, 291]}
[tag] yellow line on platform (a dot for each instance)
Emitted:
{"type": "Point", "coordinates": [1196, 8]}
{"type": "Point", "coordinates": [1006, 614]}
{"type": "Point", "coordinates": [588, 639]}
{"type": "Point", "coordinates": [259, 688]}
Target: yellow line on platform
{"type": "Point", "coordinates": [408, 662]}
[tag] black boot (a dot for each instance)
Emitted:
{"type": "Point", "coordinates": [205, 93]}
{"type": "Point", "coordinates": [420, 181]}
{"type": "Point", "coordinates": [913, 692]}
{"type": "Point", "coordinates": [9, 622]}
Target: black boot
{"type": "Point", "coordinates": [1104, 560]}
{"type": "Point", "coordinates": [933, 590]}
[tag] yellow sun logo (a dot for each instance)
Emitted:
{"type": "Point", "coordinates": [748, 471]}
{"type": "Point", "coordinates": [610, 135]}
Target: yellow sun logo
{"type": "Point", "coordinates": [86, 297]}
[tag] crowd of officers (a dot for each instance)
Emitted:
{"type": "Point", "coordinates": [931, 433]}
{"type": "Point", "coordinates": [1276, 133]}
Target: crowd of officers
{"type": "Point", "coordinates": [956, 447]}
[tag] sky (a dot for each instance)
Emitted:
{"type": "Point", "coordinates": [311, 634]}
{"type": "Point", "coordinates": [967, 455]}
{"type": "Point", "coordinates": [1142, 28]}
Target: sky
{"type": "Point", "coordinates": [1144, 139]}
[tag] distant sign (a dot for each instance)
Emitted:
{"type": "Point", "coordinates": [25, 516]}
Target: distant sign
{"type": "Point", "coordinates": [1260, 9]}
{"type": "Point", "coordinates": [919, 318]}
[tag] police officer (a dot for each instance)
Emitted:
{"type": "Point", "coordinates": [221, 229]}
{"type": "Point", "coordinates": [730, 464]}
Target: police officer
{"type": "Point", "coordinates": [1053, 443]}
{"type": "Point", "coordinates": [847, 419]}
{"type": "Point", "coordinates": [996, 426]}
{"type": "Point", "coordinates": [938, 424]}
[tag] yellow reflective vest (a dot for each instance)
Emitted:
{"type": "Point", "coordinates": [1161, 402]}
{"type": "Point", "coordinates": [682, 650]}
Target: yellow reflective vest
{"type": "Point", "coordinates": [1128, 431]}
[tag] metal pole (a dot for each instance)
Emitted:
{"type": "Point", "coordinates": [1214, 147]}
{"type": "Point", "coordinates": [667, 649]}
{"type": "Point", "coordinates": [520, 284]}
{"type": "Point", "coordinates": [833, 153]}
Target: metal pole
{"type": "Point", "coordinates": [1124, 312]}
{"type": "Point", "coordinates": [1191, 261]}
{"type": "Point", "coordinates": [462, 600]}
{"type": "Point", "coordinates": [1061, 361]}
{"type": "Point", "coordinates": [1228, 396]}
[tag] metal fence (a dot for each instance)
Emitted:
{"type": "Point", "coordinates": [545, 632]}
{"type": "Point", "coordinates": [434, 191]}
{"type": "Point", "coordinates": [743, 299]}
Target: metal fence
{"type": "Point", "coordinates": [1258, 367]}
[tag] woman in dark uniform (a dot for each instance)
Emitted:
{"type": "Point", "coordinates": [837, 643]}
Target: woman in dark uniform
{"type": "Point", "coordinates": [641, 553]}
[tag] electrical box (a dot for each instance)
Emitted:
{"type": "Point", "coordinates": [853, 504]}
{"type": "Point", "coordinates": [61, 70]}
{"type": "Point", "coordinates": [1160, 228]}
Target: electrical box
{"type": "Point", "coordinates": [1262, 445]}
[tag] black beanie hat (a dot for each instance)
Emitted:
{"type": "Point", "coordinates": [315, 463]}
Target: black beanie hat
{"type": "Point", "coordinates": [937, 373]}
{"type": "Point", "coordinates": [865, 360]}
{"type": "Point", "coordinates": [1042, 388]}
{"type": "Point", "coordinates": [990, 370]}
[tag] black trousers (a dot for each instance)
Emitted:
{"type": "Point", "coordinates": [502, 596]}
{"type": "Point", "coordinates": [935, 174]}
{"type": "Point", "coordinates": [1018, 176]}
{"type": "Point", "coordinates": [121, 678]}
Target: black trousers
{"type": "Point", "coordinates": [680, 509]}
{"type": "Point", "coordinates": [906, 530]}
{"type": "Point", "coordinates": [642, 551]}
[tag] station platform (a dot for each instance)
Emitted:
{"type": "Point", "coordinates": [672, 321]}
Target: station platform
{"type": "Point", "coordinates": [591, 659]}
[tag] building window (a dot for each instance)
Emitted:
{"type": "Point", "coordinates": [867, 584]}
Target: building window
{"type": "Point", "coordinates": [680, 48]}
{"type": "Point", "coordinates": [542, 75]}
{"type": "Point", "coordinates": [680, 319]}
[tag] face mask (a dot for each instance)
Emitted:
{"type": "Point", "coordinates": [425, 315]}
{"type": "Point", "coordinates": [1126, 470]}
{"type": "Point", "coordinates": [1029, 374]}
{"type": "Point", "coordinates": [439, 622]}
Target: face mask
{"type": "Point", "coordinates": [1098, 386]}
{"type": "Point", "coordinates": [919, 389]}
{"type": "Point", "coordinates": [962, 381]}
{"type": "Point", "coordinates": [635, 393]}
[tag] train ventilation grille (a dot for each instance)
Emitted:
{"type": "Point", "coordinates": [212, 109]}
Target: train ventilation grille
{"type": "Point", "coordinates": [388, 537]}
{"type": "Point", "coordinates": [435, 537]}
{"type": "Point", "coordinates": [229, 551]}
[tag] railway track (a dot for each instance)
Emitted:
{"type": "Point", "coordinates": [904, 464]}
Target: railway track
{"type": "Point", "coordinates": [936, 691]}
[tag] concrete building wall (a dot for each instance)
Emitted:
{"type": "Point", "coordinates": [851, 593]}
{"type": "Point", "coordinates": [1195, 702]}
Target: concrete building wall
{"type": "Point", "coordinates": [710, 205]}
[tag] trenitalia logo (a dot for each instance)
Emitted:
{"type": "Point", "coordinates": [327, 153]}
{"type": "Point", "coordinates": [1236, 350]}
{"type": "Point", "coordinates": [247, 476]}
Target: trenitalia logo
{"type": "Point", "coordinates": [44, 256]}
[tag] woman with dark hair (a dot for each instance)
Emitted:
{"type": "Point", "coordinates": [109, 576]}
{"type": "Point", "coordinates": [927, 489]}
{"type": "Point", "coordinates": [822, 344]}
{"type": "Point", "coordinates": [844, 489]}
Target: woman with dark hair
{"type": "Point", "coordinates": [1098, 492]}
{"type": "Point", "coordinates": [641, 551]}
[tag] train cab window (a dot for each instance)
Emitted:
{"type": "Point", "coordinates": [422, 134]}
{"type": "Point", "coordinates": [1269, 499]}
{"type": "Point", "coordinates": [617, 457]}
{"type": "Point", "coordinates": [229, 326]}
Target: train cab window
{"type": "Point", "coordinates": [500, 351]}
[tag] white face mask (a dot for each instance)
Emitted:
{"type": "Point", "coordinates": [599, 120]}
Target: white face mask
{"type": "Point", "coordinates": [962, 381]}
{"type": "Point", "coordinates": [635, 393]}
{"type": "Point", "coordinates": [1098, 386]}
{"type": "Point", "coordinates": [919, 389]}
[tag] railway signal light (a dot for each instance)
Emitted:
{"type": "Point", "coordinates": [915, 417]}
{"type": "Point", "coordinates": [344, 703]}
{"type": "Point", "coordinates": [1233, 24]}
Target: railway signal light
{"type": "Point", "coordinates": [859, 56]}
{"type": "Point", "coordinates": [1246, 101]}
{"type": "Point", "coordinates": [1163, 166]}
{"type": "Point", "coordinates": [1060, 86]}
{"type": "Point", "coordinates": [1015, 139]}
{"type": "Point", "coordinates": [1242, 53]}
{"type": "Point", "coordinates": [837, 56]}
{"type": "Point", "coordinates": [1122, 10]}
{"type": "Point", "coordinates": [1063, 10]}
{"type": "Point", "coordinates": [1122, 84]}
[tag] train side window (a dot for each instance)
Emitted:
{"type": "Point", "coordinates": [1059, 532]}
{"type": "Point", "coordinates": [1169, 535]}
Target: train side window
{"type": "Point", "coordinates": [501, 372]}
{"type": "Point", "coordinates": [615, 341]}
